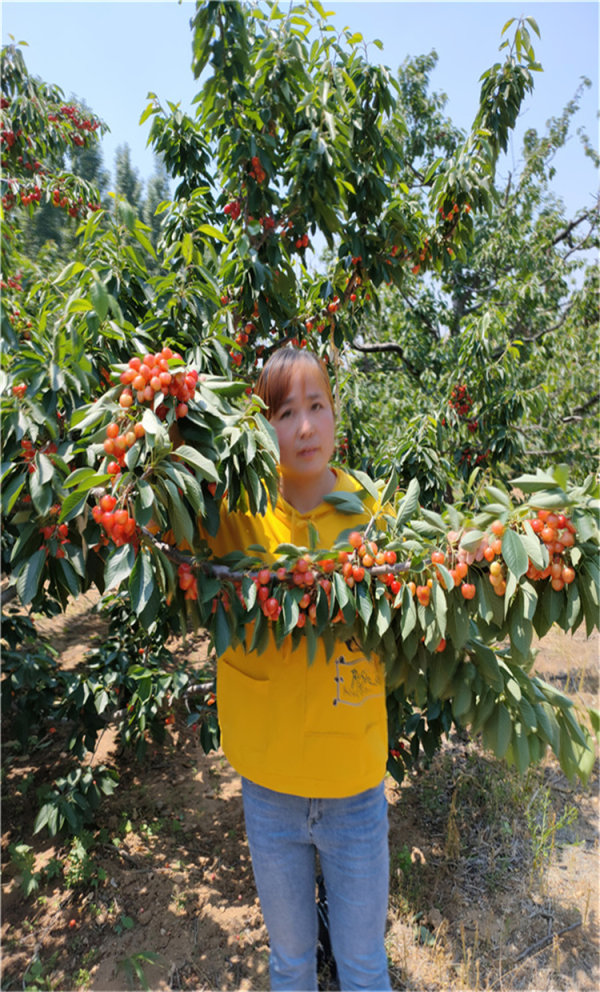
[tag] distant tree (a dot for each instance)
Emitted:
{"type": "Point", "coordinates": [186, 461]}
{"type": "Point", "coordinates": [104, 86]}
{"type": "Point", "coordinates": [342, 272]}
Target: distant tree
{"type": "Point", "coordinates": [489, 354]}
{"type": "Point", "coordinates": [87, 161]}
{"type": "Point", "coordinates": [52, 227]}
{"type": "Point", "coordinates": [127, 181]}
{"type": "Point", "coordinates": [157, 191]}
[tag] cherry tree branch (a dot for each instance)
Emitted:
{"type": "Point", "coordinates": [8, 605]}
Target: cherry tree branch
{"type": "Point", "coordinates": [227, 574]}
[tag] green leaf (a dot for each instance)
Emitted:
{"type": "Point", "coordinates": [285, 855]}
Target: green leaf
{"type": "Point", "coordinates": [68, 576]}
{"type": "Point", "coordinates": [364, 604]}
{"type": "Point", "coordinates": [80, 305]}
{"type": "Point", "coordinates": [69, 270]}
{"type": "Point", "coordinates": [497, 731]}
{"type": "Point", "coordinates": [533, 546]}
{"type": "Point", "coordinates": [520, 748]}
{"type": "Point", "coordinates": [213, 232]}
{"type": "Point", "coordinates": [151, 424]}
{"type": "Point", "coordinates": [435, 520]}
{"type": "Point", "coordinates": [547, 723]}
{"type": "Point", "coordinates": [471, 540]}
{"type": "Point", "coordinates": [390, 488]}
{"type": "Point", "coordinates": [462, 699]}
{"type": "Point", "coordinates": [350, 503]}
{"type": "Point", "coordinates": [440, 608]}
{"type": "Point", "coordinates": [499, 495]}
{"type": "Point", "coordinates": [535, 483]}
{"type": "Point", "coordinates": [528, 715]}
{"type": "Point", "coordinates": [119, 566]}
{"type": "Point", "coordinates": [141, 582]}
{"type": "Point", "coordinates": [342, 593]}
{"type": "Point", "coordinates": [367, 483]}
{"type": "Point", "coordinates": [521, 632]}
{"type": "Point", "coordinates": [551, 500]}
{"type": "Point", "coordinates": [220, 630]}
{"type": "Point", "coordinates": [409, 503]}
{"type": "Point", "coordinates": [30, 576]}
{"type": "Point", "coordinates": [99, 298]}
{"type": "Point", "coordinates": [42, 496]}
{"type": "Point", "coordinates": [514, 552]}
{"type": "Point", "coordinates": [73, 505]}
{"type": "Point", "coordinates": [408, 613]}
{"type": "Point", "coordinates": [487, 663]}
{"type": "Point", "coordinates": [187, 247]}
{"type": "Point", "coordinates": [289, 613]}
{"type": "Point", "coordinates": [528, 600]}
{"type": "Point", "coordinates": [383, 616]}
{"type": "Point", "coordinates": [457, 623]}
{"type": "Point", "coordinates": [81, 476]}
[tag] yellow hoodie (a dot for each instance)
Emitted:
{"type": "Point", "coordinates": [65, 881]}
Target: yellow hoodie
{"type": "Point", "coordinates": [316, 730]}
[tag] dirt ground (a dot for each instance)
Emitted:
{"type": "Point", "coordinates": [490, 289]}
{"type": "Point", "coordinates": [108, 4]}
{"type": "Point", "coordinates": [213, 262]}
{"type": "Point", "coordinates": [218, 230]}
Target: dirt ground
{"type": "Point", "coordinates": [494, 880]}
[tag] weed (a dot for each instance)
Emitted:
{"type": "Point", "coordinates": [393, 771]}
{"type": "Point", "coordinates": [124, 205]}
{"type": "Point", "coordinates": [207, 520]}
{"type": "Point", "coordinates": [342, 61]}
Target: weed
{"type": "Point", "coordinates": [36, 977]}
{"type": "Point", "coordinates": [125, 826]}
{"type": "Point", "coordinates": [543, 827]}
{"type": "Point", "coordinates": [80, 869]}
{"type": "Point", "coordinates": [23, 858]}
{"type": "Point", "coordinates": [150, 830]}
{"type": "Point", "coordinates": [404, 860]}
{"type": "Point", "coordinates": [23, 786]}
{"type": "Point", "coordinates": [54, 869]}
{"type": "Point", "coordinates": [82, 979]}
{"type": "Point", "coordinates": [123, 923]}
{"type": "Point", "coordinates": [133, 967]}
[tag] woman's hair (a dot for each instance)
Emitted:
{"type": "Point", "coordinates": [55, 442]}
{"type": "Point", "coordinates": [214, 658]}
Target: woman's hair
{"type": "Point", "coordinates": [274, 380]}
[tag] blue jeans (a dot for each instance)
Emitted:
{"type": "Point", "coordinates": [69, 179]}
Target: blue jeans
{"type": "Point", "coordinates": [351, 836]}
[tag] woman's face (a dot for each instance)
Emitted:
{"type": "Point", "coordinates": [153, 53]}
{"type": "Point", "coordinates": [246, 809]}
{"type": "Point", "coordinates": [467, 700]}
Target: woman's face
{"type": "Point", "coordinates": [305, 426]}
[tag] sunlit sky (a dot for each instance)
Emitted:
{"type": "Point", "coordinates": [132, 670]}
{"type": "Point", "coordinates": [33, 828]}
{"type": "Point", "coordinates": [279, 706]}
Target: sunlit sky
{"type": "Point", "coordinates": [112, 54]}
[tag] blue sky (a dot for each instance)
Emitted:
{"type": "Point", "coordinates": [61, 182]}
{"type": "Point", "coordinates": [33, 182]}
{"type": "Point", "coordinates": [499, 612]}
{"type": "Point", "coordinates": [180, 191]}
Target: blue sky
{"type": "Point", "coordinates": [111, 54]}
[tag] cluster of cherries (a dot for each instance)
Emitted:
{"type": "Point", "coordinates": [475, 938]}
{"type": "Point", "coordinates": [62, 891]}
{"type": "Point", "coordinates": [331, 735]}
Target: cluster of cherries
{"type": "Point", "coordinates": [61, 199]}
{"type": "Point", "coordinates": [28, 450]}
{"type": "Point", "coordinates": [256, 170]}
{"type": "Point", "coordinates": [58, 532]}
{"type": "Point", "coordinates": [187, 581]}
{"type": "Point", "coordinates": [232, 209]}
{"type": "Point", "coordinates": [9, 199]}
{"type": "Point", "coordinates": [32, 194]}
{"type": "Point", "coordinates": [120, 437]}
{"type": "Point", "coordinates": [149, 375]}
{"type": "Point", "coordinates": [458, 559]}
{"type": "Point", "coordinates": [557, 532]}
{"type": "Point", "coordinates": [23, 326]}
{"type": "Point", "coordinates": [460, 401]}
{"type": "Point", "coordinates": [453, 211]}
{"type": "Point", "coordinates": [34, 166]}
{"type": "Point", "coordinates": [71, 113]}
{"type": "Point", "coordinates": [311, 576]}
{"type": "Point", "coordinates": [118, 525]}
{"type": "Point", "coordinates": [13, 282]}
{"type": "Point", "coordinates": [9, 137]}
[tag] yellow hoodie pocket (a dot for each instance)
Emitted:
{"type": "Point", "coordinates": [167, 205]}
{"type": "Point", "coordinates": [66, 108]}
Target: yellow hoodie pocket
{"type": "Point", "coordinates": [244, 718]}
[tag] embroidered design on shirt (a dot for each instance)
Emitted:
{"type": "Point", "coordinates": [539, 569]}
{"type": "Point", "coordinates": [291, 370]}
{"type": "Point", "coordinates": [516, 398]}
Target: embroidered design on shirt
{"type": "Point", "coordinates": [356, 681]}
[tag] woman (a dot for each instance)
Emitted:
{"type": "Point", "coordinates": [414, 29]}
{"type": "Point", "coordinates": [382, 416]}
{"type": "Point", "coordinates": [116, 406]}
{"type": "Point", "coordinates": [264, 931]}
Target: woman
{"type": "Point", "coordinates": [309, 740]}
